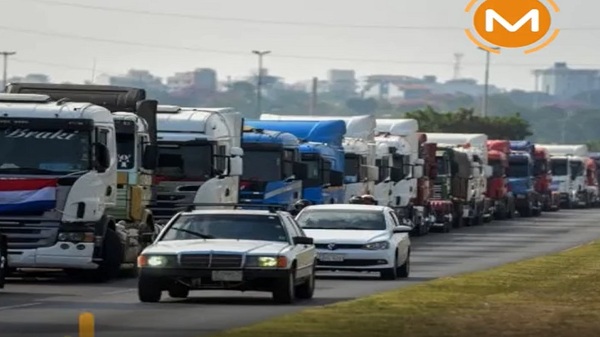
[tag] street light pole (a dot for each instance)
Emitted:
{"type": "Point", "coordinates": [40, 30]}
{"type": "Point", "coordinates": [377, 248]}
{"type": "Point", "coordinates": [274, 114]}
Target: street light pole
{"type": "Point", "coordinates": [5, 55]}
{"type": "Point", "coordinates": [486, 87]}
{"type": "Point", "coordinates": [260, 55]}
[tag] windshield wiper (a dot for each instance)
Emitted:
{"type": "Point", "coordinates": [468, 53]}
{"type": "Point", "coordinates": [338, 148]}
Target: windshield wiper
{"type": "Point", "coordinates": [26, 170]}
{"type": "Point", "coordinates": [200, 235]}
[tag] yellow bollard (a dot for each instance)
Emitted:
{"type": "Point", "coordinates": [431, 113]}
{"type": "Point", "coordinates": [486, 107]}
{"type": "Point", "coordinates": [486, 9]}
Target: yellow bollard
{"type": "Point", "coordinates": [86, 324]}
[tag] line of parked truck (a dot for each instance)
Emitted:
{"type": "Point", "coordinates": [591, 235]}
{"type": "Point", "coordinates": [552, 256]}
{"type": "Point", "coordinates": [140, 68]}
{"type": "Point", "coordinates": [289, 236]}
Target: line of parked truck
{"type": "Point", "coordinates": [88, 173]}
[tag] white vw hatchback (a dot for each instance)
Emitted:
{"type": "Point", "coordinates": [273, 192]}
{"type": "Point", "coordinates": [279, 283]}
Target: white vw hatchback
{"type": "Point", "coordinates": [353, 237]}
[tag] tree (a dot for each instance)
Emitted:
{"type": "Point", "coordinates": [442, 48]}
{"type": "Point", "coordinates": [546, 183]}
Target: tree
{"type": "Point", "coordinates": [464, 121]}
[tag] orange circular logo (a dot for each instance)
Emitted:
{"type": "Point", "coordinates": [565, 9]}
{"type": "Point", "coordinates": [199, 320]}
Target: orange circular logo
{"type": "Point", "coordinates": [513, 23]}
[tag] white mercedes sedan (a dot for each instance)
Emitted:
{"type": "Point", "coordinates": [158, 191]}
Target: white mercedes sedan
{"type": "Point", "coordinates": [351, 237]}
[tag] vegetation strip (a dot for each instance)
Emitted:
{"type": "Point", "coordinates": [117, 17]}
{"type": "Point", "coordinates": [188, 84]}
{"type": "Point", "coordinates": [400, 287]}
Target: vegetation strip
{"type": "Point", "coordinates": [556, 295]}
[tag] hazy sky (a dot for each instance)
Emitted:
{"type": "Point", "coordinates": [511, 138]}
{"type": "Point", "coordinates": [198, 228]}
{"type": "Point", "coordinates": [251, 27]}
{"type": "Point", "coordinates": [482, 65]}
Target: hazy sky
{"type": "Point", "coordinates": [45, 36]}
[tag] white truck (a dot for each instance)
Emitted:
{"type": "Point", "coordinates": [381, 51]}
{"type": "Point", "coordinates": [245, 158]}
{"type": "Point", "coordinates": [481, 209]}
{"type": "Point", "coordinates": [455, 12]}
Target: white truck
{"type": "Point", "coordinates": [360, 170]}
{"type": "Point", "coordinates": [54, 198]}
{"type": "Point", "coordinates": [402, 142]}
{"type": "Point", "coordinates": [567, 163]}
{"type": "Point", "coordinates": [475, 146]}
{"type": "Point", "coordinates": [199, 159]}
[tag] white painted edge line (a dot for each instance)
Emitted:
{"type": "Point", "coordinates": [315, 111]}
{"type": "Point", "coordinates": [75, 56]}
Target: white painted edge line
{"type": "Point", "coordinates": [8, 307]}
{"type": "Point", "coordinates": [119, 291]}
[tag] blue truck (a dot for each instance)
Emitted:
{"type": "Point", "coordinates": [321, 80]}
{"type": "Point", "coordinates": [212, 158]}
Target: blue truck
{"type": "Point", "coordinates": [273, 171]}
{"type": "Point", "coordinates": [322, 151]}
{"type": "Point", "coordinates": [521, 179]}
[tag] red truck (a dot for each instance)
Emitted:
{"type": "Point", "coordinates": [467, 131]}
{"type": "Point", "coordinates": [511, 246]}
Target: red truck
{"type": "Point", "coordinates": [543, 180]}
{"type": "Point", "coordinates": [497, 186]}
{"type": "Point", "coordinates": [425, 185]}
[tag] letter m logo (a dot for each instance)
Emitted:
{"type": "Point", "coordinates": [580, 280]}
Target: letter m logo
{"type": "Point", "coordinates": [533, 16]}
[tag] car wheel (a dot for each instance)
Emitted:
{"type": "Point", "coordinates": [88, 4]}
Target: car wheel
{"type": "Point", "coordinates": [404, 269]}
{"type": "Point", "coordinates": [149, 290]}
{"type": "Point", "coordinates": [179, 291]}
{"type": "Point", "coordinates": [391, 273]}
{"type": "Point", "coordinates": [285, 289]}
{"type": "Point", "coordinates": [306, 290]}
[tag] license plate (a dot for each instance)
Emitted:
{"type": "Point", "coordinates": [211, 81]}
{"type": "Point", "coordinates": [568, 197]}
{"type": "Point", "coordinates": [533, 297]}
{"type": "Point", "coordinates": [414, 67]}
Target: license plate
{"type": "Point", "coordinates": [331, 257]}
{"type": "Point", "coordinates": [227, 275]}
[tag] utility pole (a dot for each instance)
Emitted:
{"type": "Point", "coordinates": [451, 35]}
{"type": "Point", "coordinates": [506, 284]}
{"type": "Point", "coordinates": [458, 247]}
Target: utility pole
{"type": "Point", "coordinates": [260, 55]}
{"type": "Point", "coordinates": [5, 55]}
{"type": "Point", "coordinates": [486, 88]}
{"type": "Point", "coordinates": [457, 65]}
{"type": "Point", "coordinates": [313, 96]}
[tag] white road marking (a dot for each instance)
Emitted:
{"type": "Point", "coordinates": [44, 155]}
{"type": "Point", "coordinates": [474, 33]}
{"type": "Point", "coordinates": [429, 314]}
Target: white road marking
{"type": "Point", "coordinates": [8, 307]}
{"type": "Point", "coordinates": [119, 291]}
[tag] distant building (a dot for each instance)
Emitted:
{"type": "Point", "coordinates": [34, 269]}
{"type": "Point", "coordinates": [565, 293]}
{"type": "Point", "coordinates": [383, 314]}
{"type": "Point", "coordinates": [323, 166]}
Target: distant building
{"type": "Point", "coordinates": [342, 82]}
{"type": "Point", "coordinates": [140, 79]}
{"type": "Point", "coordinates": [30, 78]}
{"type": "Point", "coordinates": [564, 82]}
{"type": "Point", "coordinates": [202, 79]}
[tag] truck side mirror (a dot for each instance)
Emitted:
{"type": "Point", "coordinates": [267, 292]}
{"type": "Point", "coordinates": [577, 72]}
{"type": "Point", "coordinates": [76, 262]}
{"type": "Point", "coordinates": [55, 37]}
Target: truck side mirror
{"type": "Point", "coordinates": [488, 171]}
{"type": "Point", "coordinates": [236, 151]}
{"type": "Point", "coordinates": [336, 178]}
{"type": "Point", "coordinates": [236, 167]}
{"type": "Point", "coordinates": [396, 174]}
{"type": "Point", "coordinates": [102, 157]}
{"type": "Point", "coordinates": [417, 171]}
{"type": "Point", "coordinates": [150, 157]}
{"type": "Point", "coordinates": [300, 170]}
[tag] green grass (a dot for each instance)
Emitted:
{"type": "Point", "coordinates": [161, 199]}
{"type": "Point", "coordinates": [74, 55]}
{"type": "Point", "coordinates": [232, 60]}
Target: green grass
{"type": "Point", "coordinates": [556, 295]}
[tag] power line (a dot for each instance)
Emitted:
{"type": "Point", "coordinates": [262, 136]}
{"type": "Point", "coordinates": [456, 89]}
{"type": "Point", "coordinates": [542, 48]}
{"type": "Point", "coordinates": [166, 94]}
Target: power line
{"type": "Point", "coordinates": [262, 21]}
{"type": "Point", "coordinates": [51, 34]}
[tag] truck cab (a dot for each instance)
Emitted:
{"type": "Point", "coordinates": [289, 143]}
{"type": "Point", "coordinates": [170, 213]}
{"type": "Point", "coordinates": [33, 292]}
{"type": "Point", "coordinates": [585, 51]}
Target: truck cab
{"type": "Point", "coordinates": [521, 178]}
{"type": "Point", "coordinates": [498, 186]}
{"type": "Point", "coordinates": [273, 172]}
{"type": "Point", "coordinates": [54, 209]}
{"type": "Point", "coordinates": [199, 159]}
{"type": "Point", "coordinates": [568, 173]}
{"type": "Point", "coordinates": [321, 151]}
{"type": "Point", "coordinates": [543, 180]}
{"type": "Point", "coordinates": [360, 170]}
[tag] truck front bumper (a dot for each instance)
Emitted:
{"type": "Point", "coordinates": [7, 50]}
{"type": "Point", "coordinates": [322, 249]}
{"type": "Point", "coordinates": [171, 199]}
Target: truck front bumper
{"type": "Point", "coordinates": [61, 255]}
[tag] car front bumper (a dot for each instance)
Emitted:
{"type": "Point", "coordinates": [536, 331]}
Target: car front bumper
{"type": "Point", "coordinates": [355, 259]}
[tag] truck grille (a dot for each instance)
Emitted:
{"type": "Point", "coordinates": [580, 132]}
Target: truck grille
{"type": "Point", "coordinates": [166, 206]}
{"type": "Point", "coordinates": [437, 191]}
{"type": "Point", "coordinates": [211, 261]}
{"type": "Point", "coordinates": [28, 234]}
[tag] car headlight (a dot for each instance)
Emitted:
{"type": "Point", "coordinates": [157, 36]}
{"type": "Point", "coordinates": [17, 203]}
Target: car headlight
{"type": "Point", "coordinates": [153, 261]}
{"type": "Point", "coordinates": [377, 245]}
{"type": "Point", "coordinates": [266, 261]}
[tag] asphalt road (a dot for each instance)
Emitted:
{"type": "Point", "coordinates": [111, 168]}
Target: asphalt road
{"type": "Point", "coordinates": [49, 306]}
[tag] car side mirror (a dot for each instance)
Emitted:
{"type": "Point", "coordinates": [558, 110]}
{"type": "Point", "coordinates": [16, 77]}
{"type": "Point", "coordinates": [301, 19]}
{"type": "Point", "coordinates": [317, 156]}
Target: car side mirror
{"type": "Point", "coordinates": [303, 240]}
{"type": "Point", "coordinates": [402, 229]}
{"type": "Point", "coordinates": [102, 157]}
{"type": "Point", "coordinates": [150, 157]}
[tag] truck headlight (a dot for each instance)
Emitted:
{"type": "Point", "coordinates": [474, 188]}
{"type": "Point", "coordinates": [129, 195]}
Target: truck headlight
{"type": "Point", "coordinates": [266, 261]}
{"type": "Point", "coordinates": [377, 245]}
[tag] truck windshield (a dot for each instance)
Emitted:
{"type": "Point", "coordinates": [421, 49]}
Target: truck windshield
{"type": "Point", "coordinates": [442, 168]}
{"type": "Point", "coordinates": [518, 169]}
{"type": "Point", "coordinates": [559, 167]}
{"type": "Point", "coordinates": [497, 168]}
{"type": "Point", "coordinates": [184, 161]}
{"type": "Point", "coordinates": [262, 165]}
{"type": "Point", "coordinates": [540, 167]}
{"type": "Point", "coordinates": [125, 150]}
{"type": "Point", "coordinates": [351, 168]}
{"type": "Point", "coordinates": [44, 151]}
{"type": "Point", "coordinates": [576, 168]}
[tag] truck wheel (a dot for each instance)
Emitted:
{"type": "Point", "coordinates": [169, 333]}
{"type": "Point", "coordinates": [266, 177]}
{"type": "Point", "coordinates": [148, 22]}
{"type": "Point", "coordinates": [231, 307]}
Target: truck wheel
{"type": "Point", "coordinates": [112, 252]}
{"type": "Point", "coordinates": [149, 290]}
{"type": "Point", "coordinates": [390, 274]}
{"type": "Point", "coordinates": [284, 291]}
{"type": "Point", "coordinates": [306, 290]}
{"type": "Point", "coordinates": [3, 260]}
{"type": "Point", "coordinates": [447, 227]}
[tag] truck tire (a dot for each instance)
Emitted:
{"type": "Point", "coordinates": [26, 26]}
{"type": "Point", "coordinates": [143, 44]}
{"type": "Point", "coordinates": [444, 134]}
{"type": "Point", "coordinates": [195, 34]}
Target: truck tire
{"type": "Point", "coordinates": [112, 255]}
{"type": "Point", "coordinates": [149, 290]}
{"type": "Point", "coordinates": [284, 290]}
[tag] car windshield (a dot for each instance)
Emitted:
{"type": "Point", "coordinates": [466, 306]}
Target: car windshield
{"type": "Point", "coordinates": [184, 162]}
{"type": "Point", "coordinates": [126, 150]}
{"type": "Point", "coordinates": [44, 151]}
{"type": "Point", "coordinates": [558, 167]}
{"type": "Point", "coordinates": [517, 169]}
{"type": "Point", "coordinates": [338, 219]}
{"type": "Point", "coordinates": [227, 226]}
{"type": "Point", "coordinates": [262, 165]}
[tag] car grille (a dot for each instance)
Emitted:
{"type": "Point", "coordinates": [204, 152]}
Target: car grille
{"type": "Point", "coordinates": [210, 261]}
